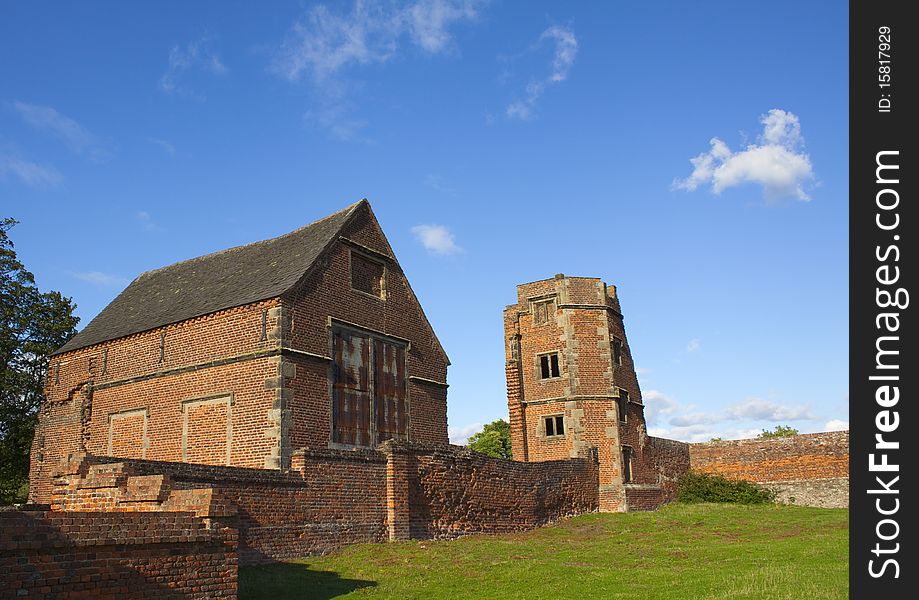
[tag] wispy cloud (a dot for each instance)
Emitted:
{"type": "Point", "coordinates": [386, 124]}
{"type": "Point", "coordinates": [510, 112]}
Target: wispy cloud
{"type": "Point", "coordinates": [195, 56]}
{"type": "Point", "coordinates": [777, 161]}
{"type": "Point", "coordinates": [101, 279]}
{"type": "Point", "coordinates": [460, 435]}
{"type": "Point", "coordinates": [326, 43]}
{"type": "Point", "coordinates": [836, 425]}
{"type": "Point", "coordinates": [666, 417]}
{"type": "Point", "coordinates": [566, 48]}
{"type": "Point", "coordinates": [26, 171]}
{"type": "Point", "coordinates": [73, 135]}
{"type": "Point", "coordinates": [146, 221]}
{"type": "Point", "coordinates": [438, 183]}
{"type": "Point", "coordinates": [694, 345]}
{"type": "Point", "coordinates": [165, 146]}
{"type": "Point", "coordinates": [436, 239]}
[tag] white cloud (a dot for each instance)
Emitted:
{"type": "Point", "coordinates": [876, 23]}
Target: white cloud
{"type": "Point", "coordinates": [436, 238]}
{"type": "Point", "coordinates": [99, 278]}
{"type": "Point", "coordinates": [566, 48]}
{"type": "Point", "coordinates": [28, 172]}
{"type": "Point", "coordinates": [657, 405]}
{"type": "Point", "coordinates": [836, 425]}
{"type": "Point", "coordinates": [461, 435]}
{"type": "Point", "coordinates": [323, 43]}
{"type": "Point", "coordinates": [197, 55]}
{"type": "Point", "coordinates": [73, 135]}
{"type": "Point", "coordinates": [777, 161]}
{"type": "Point", "coordinates": [338, 122]}
{"type": "Point", "coordinates": [163, 144]}
{"type": "Point", "coordinates": [694, 345]}
{"type": "Point", "coordinates": [767, 410]}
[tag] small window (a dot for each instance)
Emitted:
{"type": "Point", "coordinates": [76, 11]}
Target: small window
{"type": "Point", "coordinates": [623, 403]}
{"type": "Point", "coordinates": [626, 464]}
{"type": "Point", "coordinates": [555, 426]}
{"type": "Point", "coordinates": [548, 366]}
{"type": "Point", "coordinates": [366, 275]}
{"type": "Point", "coordinates": [543, 312]}
{"type": "Point", "coordinates": [617, 352]}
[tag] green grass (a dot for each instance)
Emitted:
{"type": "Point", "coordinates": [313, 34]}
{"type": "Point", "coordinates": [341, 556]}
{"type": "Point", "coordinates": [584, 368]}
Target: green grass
{"type": "Point", "coordinates": [684, 552]}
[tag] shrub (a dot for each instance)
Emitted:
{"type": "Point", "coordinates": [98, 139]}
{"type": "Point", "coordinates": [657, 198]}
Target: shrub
{"type": "Point", "coordinates": [700, 487]}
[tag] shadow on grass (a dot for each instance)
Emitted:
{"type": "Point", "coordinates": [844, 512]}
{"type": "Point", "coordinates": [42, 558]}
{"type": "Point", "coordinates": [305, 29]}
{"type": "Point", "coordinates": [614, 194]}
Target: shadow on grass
{"type": "Point", "coordinates": [283, 581]}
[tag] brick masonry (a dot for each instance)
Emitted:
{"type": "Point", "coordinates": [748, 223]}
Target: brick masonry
{"type": "Point", "coordinates": [53, 554]}
{"type": "Point", "coordinates": [596, 391]}
{"type": "Point", "coordinates": [246, 386]}
{"type": "Point", "coordinates": [809, 469]}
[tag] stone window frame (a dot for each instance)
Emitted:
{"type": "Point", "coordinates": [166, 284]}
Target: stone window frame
{"type": "Point", "coordinates": [123, 414]}
{"type": "Point", "coordinates": [369, 258]}
{"type": "Point", "coordinates": [538, 367]}
{"type": "Point", "coordinates": [617, 363]}
{"type": "Point", "coordinates": [554, 436]}
{"type": "Point", "coordinates": [628, 453]}
{"type": "Point", "coordinates": [551, 315]}
{"type": "Point", "coordinates": [621, 406]}
{"type": "Point", "coordinates": [229, 398]}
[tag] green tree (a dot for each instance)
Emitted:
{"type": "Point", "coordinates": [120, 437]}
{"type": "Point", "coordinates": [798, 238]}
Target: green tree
{"type": "Point", "coordinates": [32, 325]}
{"type": "Point", "coordinates": [493, 440]}
{"type": "Point", "coordinates": [779, 431]}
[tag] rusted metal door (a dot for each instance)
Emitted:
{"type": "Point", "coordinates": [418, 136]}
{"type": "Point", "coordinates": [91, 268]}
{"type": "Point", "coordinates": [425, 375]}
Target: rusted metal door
{"type": "Point", "coordinates": [389, 391]}
{"type": "Point", "coordinates": [369, 403]}
{"type": "Point", "coordinates": [351, 389]}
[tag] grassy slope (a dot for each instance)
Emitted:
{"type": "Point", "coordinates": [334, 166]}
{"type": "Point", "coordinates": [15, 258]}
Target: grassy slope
{"type": "Point", "coordinates": [682, 551]}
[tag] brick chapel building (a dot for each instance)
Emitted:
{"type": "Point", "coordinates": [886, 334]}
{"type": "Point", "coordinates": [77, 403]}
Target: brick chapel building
{"type": "Point", "coordinates": [572, 385]}
{"type": "Point", "coordinates": [312, 339]}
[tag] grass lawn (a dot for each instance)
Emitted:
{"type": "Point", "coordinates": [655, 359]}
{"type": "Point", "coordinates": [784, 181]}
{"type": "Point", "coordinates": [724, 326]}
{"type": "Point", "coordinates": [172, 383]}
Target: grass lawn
{"type": "Point", "coordinates": [684, 552]}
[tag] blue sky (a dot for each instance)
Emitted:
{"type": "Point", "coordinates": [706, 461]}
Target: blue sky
{"type": "Point", "coordinates": [693, 155]}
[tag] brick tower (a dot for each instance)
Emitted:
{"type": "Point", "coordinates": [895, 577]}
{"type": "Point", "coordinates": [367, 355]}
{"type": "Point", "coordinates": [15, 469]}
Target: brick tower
{"type": "Point", "coordinates": [571, 383]}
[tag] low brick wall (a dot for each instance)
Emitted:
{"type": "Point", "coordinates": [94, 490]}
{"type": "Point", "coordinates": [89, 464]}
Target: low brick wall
{"type": "Point", "coordinates": [331, 499]}
{"type": "Point", "coordinates": [450, 491]}
{"type": "Point", "coordinates": [812, 469]}
{"type": "Point", "coordinates": [50, 554]}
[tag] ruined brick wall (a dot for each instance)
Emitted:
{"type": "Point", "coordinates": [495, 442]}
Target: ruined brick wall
{"type": "Point", "coordinates": [331, 498]}
{"type": "Point", "coordinates": [812, 469]}
{"type": "Point", "coordinates": [46, 554]}
{"type": "Point", "coordinates": [450, 491]}
{"type": "Point", "coordinates": [669, 461]}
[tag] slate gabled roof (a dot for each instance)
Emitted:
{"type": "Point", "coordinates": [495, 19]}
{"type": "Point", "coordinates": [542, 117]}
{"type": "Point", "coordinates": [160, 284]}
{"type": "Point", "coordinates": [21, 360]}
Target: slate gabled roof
{"type": "Point", "coordinates": [218, 281]}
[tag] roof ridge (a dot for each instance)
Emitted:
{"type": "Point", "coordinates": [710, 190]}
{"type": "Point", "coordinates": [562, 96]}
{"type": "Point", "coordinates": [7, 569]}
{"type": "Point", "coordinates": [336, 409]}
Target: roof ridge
{"type": "Point", "coordinates": [250, 244]}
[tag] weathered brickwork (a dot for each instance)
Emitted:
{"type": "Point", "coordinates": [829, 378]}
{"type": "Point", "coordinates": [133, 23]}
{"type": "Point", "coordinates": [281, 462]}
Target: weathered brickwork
{"type": "Point", "coordinates": [811, 468]}
{"type": "Point", "coordinates": [249, 385]}
{"type": "Point", "coordinates": [48, 554]}
{"type": "Point", "coordinates": [331, 498]}
{"type": "Point", "coordinates": [595, 390]}
{"type": "Point", "coordinates": [450, 491]}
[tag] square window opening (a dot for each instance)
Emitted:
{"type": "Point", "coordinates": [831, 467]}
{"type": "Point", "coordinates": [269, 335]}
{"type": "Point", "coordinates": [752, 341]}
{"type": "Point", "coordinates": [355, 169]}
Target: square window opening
{"type": "Point", "coordinates": [555, 426]}
{"type": "Point", "coordinates": [623, 403]}
{"type": "Point", "coordinates": [366, 275]}
{"type": "Point", "coordinates": [549, 366]}
{"type": "Point", "coordinates": [617, 351]}
{"type": "Point", "coordinates": [543, 312]}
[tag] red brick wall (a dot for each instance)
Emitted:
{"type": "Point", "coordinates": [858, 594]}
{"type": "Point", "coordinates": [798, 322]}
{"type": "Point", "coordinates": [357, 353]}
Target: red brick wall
{"type": "Point", "coordinates": [794, 458]}
{"type": "Point", "coordinates": [454, 491]}
{"type": "Point", "coordinates": [225, 392]}
{"type": "Point", "coordinates": [121, 555]}
{"type": "Point", "coordinates": [327, 294]}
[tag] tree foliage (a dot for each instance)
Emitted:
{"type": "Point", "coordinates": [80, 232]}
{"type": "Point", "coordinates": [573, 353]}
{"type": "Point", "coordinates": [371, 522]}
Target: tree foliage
{"type": "Point", "coordinates": [493, 440]}
{"type": "Point", "coordinates": [32, 325]}
{"type": "Point", "coordinates": [779, 431]}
